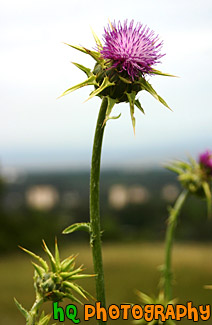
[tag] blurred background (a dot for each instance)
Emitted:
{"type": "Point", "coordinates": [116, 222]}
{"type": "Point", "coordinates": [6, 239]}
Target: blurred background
{"type": "Point", "coordinates": [46, 143]}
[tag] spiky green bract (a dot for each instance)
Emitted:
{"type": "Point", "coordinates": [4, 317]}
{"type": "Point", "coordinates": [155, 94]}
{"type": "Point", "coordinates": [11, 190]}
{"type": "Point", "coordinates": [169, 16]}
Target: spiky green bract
{"type": "Point", "coordinates": [194, 178]}
{"type": "Point", "coordinates": [57, 282]}
{"type": "Point", "coordinates": [117, 86]}
{"type": "Point", "coordinates": [158, 300]}
{"type": "Point", "coordinates": [53, 281]}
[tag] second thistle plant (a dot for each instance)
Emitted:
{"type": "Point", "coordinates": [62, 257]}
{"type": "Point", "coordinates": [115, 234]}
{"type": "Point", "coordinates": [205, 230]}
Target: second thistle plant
{"type": "Point", "coordinates": [195, 177]}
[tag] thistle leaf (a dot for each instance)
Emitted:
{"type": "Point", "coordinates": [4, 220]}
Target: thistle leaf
{"type": "Point", "coordinates": [67, 275]}
{"type": "Point", "coordinates": [66, 264]}
{"type": "Point", "coordinates": [40, 271]}
{"type": "Point", "coordinates": [127, 81]}
{"type": "Point", "coordinates": [163, 74]}
{"type": "Point", "coordinates": [131, 98]}
{"type": "Point", "coordinates": [174, 169]}
{"type": "Point", "coordinates": [82, 276]}
{"type": "Point", "coordinates": [75, 288]}
{"type": "Point", "coordinates": [85, 292]}
{"type": "Point", "coordinates": [79, 48]}
{"type": "Point", "coordinates": [51, 258]}
{"type": "Point", "coordinates": [144, 298]}
{"type": "Point", "coordinates": [146, 86]}
{"type": "Point", "coordinates": [110, 104]}
{"type": "Point", "coordinates": [77, 226]}
{"type": "Point", "coordinates": [57, 256]}
{"type": "Point", "coordinates": [106, 83]}
{"type": "Point", "coordinates": [73, 298]}
{"type": "Point", "coordinates": [44, 320]}
{"type": "Point", "coordinates": [95, 55]}
{"type": "Point", "coordinates": [42, 262]}
{"type": "Point", "coordinates": [90, 81]}
{"type": "Point", "coordinates": [97, 40]}
{"type": "Point", "coordinates": [84, 69]}
{"type": "Point", "coordinates": [114, 117]}
{"type": "Point", "coordinates": [138, 104]}
{"type": "Point", "coordinates": [24, 312]}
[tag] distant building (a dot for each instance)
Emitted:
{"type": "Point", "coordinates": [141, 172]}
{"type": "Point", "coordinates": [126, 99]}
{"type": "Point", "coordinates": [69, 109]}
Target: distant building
{"type": "Point", "coordinates": [169, 192]}
{"type": "Point", "coordinates": [42, 197]}
{"type": "Point", "coordinates": [121, 195]}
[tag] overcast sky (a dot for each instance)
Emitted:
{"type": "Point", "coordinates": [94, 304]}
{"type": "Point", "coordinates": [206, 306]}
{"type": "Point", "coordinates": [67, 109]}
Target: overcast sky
{"type": "Point", "coordinates": [36, 129]}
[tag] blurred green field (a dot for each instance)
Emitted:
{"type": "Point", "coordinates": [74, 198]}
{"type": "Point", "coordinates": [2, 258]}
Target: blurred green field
{"type": "Point", "coordinates": [127, 267]}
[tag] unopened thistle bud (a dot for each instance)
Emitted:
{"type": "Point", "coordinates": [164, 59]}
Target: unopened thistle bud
{"type": "Point", "coordinates": [53, 283]}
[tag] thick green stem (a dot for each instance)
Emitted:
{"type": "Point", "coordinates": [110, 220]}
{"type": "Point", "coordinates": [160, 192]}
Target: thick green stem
{"type": "Point", "coordinates": [94, 206]}
{"type": "Point", "coordinates": [172, 222]}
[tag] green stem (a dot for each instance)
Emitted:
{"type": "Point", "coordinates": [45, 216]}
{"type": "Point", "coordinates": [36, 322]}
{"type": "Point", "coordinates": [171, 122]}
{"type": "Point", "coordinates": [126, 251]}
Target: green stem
{"type": "Point", "coordinates": [172, 222]}
{"type": "Point", "coordinates": [94, 206]}
{"type": "Point", "coordinates": [33, 313]}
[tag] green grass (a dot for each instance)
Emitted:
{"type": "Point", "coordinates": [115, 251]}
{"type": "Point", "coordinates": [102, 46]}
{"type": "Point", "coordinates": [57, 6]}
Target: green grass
{"type": "Point", "coordinates": [127, 267]}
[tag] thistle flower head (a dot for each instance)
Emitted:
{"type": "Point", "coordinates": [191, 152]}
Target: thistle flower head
{"type": "Point", "coordinates": [205, 160]}
{"type": "Point", "coordinates": [196, 176]}
{"type": "Point", "coordinates": [122, 63]}
{"type": "Point", "coordinates": [131, 49]}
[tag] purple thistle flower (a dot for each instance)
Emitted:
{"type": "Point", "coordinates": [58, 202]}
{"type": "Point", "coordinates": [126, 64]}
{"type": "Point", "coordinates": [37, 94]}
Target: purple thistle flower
{"type": "Point", "coordinates": [205, 159]}
{"type": "Point", "coordinates": [131, 49]}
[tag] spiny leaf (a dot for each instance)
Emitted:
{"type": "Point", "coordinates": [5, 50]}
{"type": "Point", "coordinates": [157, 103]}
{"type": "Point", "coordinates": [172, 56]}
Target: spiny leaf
{"type": "Point", "coordinates": [79, 48]}
{"type": "Point", "coordinates": [146, 86]}
{"type": "Point", "coordinates": [106, 83]}
{"type": "Point", "coordinates": [84, 69]}
{"type": "Point", "coordinates": [97, 40]}
{"type": "Point", "coordinates": [127, 81]}
{"type": "Point", "coordinates": [90, 81]}
{"type": "Point", "coordinates": [75, 288]}
{"type": "Point", "coordinates": [114, 117]}
{"type": "Point", "coordinates": [110, 104]}
{"type": "Point", "coordinates": [40, 271]}
{"type": "Point", "coordinates": [73, 298]}
{"type": "Point", "coordinates": [57, 255]}
{"type": "Point", "coordinates": [193, 162]}
{"type": "Point", "coordinates": [77, 226]}
{"type": "Point", "coordinates": [163, 74]}
{"type": "Point", "coordinates": [95, 55]}
{"type": "Point", "coordinates": [44, 320]}
{"type": "Point", "coordinates": [42, 262]}
{"type": "Point", "coordinates": [131, 98]}
{"type": "Point", "coordinates": [65, 264]}
{"type": "Point", "coordinates": [22, 309]}
{"type": "Point", "coordinates": [67, 275]}
{"type": "Point", "coordinates": [51, 258]}
{"type": "Point", "coordinates": [82, 276]}
{"type": "Point", "coordinates": [144, 298]}
{"type": "Point", "coordinates": [85, 292]}
{"type": "Point", "coordinates": [174, 169]}
{"type": "Point", "coordinates": [138, 104]}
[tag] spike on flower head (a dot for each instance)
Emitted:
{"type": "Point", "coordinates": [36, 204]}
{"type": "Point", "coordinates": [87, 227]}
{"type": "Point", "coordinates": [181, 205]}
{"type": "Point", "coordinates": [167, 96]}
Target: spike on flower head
{"type": "Point", "coordinates": [134, 49]}
{"type": "Point", "coordinates": [205, 160]}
